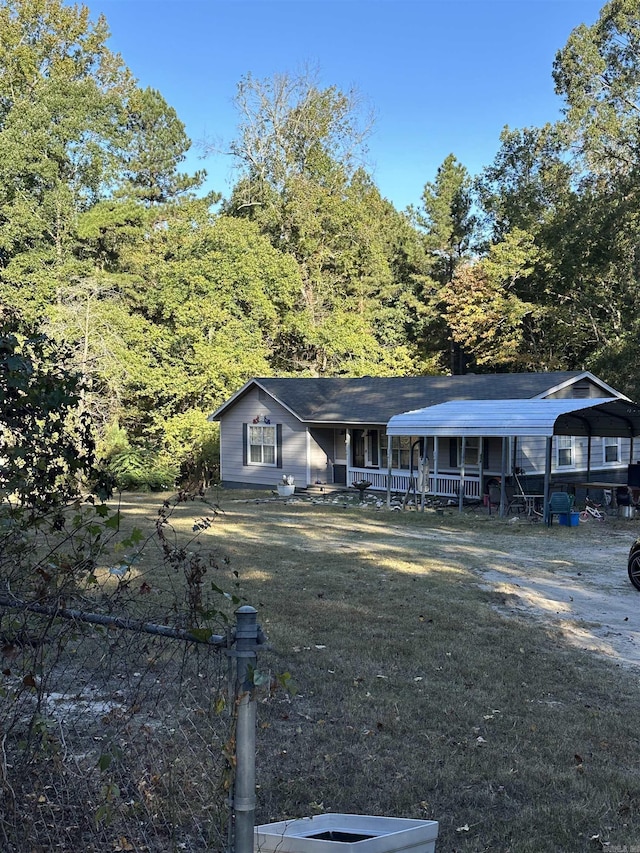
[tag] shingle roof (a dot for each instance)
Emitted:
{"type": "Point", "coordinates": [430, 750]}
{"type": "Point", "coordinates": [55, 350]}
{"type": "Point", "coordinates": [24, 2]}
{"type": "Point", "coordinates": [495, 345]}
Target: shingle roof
{"type": "Point", "coordinates": [374, 400]}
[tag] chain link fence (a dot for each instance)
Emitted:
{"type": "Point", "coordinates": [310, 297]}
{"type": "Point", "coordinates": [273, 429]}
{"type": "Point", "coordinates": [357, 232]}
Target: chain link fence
{"type": "Point", "coordinates": [118, 734]}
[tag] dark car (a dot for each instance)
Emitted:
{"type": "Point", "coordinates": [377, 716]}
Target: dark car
{"type": "Point", "coordinates": [633, 566]}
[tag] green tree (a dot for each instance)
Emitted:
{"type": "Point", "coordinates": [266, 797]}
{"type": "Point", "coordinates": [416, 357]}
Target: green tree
{"type": "Point", "coordinates": [156, 146]}
{"type": "Point", "coordinates": [298, 150]}
{"type": "Point", "coordinates": [595, 242]}
{"type": "Point", "coordinates": [598, 74]}
{"type": "Point", "coordinates": [528, 181]}
{"type": "Point", "coordinates": [483, 310]}
{"type": "Point", "coordinates": [61, 111]}
{"type": "Point", "coordinates": [46, 441]}
{"type": "Point", "coordinates": [449, 223]}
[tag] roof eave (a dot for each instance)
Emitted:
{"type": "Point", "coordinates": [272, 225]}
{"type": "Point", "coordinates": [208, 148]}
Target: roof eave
{"type": "Point", "coordinates": [215, 416]}
{"type": "Point", "coordinates": [586, 374]}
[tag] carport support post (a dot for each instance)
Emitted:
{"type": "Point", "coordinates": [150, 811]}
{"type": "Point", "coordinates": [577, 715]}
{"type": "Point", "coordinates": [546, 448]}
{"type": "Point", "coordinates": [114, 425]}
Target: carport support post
{"type": "Point", "coordinates": [244, 790]}
{"type": "Point", "coordinates": [547, 477]}
{"type": "Point", "coordinates": [503, 484]}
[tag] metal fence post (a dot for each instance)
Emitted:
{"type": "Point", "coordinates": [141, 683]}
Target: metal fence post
{"type": "Point", "coordinates": [244, 794]}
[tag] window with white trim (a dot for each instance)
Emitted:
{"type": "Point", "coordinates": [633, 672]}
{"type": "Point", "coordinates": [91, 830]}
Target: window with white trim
{"type": "Point", "coordinates": [401, 446]}
{"type": "Point", "coordinates": [610, 450]}
{"type": "Point", "coordinates": [261, 445]}
{"type": "Point", "coordinates": [565, 451]}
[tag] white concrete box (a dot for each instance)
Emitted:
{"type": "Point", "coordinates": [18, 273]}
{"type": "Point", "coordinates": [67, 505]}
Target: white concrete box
{"type": "Point", "coordinates": [347, 833]}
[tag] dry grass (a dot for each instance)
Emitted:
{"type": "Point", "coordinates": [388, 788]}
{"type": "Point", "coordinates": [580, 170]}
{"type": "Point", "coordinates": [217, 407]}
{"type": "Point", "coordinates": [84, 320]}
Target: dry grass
{"type": "Point", "coordinates": [416, 697]}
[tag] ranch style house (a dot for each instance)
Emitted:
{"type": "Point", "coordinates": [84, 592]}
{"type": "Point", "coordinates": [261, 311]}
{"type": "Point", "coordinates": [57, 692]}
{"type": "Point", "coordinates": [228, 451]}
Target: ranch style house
{"type": "Point", "coordinates": [333, 431]}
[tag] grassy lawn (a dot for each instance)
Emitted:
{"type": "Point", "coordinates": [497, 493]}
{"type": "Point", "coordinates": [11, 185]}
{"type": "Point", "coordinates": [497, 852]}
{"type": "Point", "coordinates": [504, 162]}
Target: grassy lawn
{"type": "Point", "coordinates": [416, 696]}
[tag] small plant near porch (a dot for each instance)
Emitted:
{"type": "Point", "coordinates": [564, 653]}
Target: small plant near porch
{"type": "Point", "coordinates": [286, 486]}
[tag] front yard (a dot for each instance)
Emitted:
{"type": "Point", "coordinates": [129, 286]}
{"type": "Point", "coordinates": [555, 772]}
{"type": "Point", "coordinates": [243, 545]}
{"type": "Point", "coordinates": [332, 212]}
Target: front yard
{"type": "Point", "coordinates": [445, 668]}
{"type": "Point", "coordinates": [455, 667]}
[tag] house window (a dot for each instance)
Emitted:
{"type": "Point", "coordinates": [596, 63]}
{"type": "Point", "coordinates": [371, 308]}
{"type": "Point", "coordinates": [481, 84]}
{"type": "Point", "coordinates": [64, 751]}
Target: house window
{"type": "Point", "coordinates": [471, 451]}
{"type": "Point", "coordinates": [262, 445]}
{"type": "Point", "coordinates": [400, 452]}
{"type": "Point", "coordinates": [564, 451]}
{"type": "Point", "coordinates": [610, 450]}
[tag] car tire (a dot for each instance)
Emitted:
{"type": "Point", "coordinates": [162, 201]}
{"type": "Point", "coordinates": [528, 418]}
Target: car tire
{"type": "Point", "coordinates": [633, 567]}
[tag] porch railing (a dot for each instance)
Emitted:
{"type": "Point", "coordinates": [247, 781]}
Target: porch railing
{"type": "Point", "coordinates": [443, 485]}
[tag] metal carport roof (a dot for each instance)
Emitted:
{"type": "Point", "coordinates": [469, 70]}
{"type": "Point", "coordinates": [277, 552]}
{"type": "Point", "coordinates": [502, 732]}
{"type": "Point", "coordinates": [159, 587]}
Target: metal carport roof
{"type": "Point", "coordinates": [485, 418]}
{"type": "Point", "coordinates": [605, 416]}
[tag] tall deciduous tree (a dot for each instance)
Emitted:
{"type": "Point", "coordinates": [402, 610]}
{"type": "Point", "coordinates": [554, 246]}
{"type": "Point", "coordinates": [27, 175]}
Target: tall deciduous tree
{"type": "Point", "coordinates": [298, 150]}
{"type": "Point", "coordinates": [290, 127]}
{"type": "Point", "coordinates": [483, 310]}
{"type": "Point", "coordinates": [598, 74]}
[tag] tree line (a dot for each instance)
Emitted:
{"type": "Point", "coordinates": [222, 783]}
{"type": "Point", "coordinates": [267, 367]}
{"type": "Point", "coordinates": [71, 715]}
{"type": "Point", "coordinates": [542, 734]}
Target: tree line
{"type": "Point", "coordinates": [167, 299]}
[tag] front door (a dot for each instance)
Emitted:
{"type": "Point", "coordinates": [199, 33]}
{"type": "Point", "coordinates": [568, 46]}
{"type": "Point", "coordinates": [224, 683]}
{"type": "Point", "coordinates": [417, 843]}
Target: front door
{"type": "Point", "coordinates": [365, 451]}
{"type": "Point", "coordinates": [357, 448]}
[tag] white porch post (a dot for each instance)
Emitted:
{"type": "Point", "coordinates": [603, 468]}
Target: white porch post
{"type": "Point", "coordinates": [463, 451]}
{"type": "Point", "coordinates": [389, 469]}
{"type": "Point", "coordinates": [347, 447]}
{"type": "Point", "coordinates": [436, 442]}
{"type": "Point", "coordinates": [425, 472]}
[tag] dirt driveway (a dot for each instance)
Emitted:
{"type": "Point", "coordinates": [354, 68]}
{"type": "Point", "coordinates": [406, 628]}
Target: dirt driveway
{"type": "Point", "coordinates": [576, 580]}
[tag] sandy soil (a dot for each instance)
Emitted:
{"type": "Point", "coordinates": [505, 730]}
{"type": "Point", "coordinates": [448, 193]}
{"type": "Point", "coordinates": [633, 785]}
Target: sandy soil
{"type": "Point", "coordinates": [577, 582]}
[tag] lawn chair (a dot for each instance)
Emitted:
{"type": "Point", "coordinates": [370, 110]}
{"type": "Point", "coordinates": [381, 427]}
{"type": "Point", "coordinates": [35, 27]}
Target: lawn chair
{"type": "Point", "coordinates": [515, 500]}
{"type": "Point", "coordinates": [512, 501]}
{"type": "Point", "coordinates": [559, 503]}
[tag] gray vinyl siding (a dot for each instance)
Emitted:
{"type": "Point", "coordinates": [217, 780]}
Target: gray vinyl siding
{"type": "Point", "coordinates": [530, 456]}
{"type": "Point", "coordinates": [582, 389]}
{"type": "Point", "coordinates": [294, 443]}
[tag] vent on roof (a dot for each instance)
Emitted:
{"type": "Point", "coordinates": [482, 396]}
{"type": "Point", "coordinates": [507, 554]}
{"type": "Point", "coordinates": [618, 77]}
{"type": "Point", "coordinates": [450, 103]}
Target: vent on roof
{"type": "Point", "coordinates": [582, 389]}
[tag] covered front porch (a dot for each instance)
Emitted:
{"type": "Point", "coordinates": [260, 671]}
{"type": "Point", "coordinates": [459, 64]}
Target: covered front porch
{"type": "Point", "coordinates": [364, 454]}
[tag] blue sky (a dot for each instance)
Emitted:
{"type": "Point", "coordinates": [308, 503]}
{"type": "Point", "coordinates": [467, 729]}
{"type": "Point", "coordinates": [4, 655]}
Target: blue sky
{"type": "Point", "coordinates": [443, 76]}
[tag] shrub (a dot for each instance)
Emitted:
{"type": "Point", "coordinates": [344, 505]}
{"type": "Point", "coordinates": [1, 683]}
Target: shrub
{"type": "Point", "coordinates": [140, 469]}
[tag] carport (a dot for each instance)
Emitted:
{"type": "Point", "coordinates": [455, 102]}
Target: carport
{"type": "Point", "coordinates": [603, 417]}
